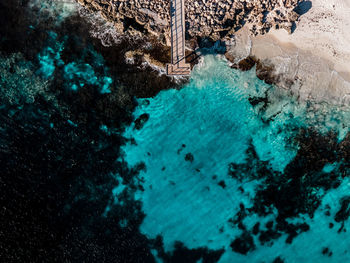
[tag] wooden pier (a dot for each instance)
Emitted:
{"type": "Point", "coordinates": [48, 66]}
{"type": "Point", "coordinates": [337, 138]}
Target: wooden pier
{"type": "Point", "coordinates": [178, 64]}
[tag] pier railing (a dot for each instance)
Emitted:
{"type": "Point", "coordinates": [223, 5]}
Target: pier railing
{"type": "Point", "coordinates": [178, 64]}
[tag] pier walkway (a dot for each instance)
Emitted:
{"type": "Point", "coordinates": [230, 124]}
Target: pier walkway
{"type": "Point", "coordinates": [178, 64]}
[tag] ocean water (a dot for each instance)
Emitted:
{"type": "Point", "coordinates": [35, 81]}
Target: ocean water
{"type": "Point", "coordinates": [233, 169]}
{"type": "Point", "coordinates": [212, 121]}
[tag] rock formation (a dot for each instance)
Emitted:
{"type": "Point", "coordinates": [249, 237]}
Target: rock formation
{"type": "Point", "coordinates": [204, 18]}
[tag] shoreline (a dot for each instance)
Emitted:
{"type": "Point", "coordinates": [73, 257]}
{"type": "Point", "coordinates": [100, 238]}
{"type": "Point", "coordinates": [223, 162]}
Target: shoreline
{"type": "Point", "coordinates": [323, 31]}
{"type": "Point", "coordinates": [220, 162]}
{"type": "Point", "coordinates": [312, 61]}
{"type": "Point", "coordinates": [315, 57]}
{"type": "Point", "coordinates": [310, 77]}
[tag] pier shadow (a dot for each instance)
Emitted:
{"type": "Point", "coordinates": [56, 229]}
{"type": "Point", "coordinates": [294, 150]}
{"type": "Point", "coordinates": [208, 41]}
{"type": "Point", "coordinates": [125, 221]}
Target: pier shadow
{"type": "Point", "coordinates": [205, 47]}
{"type": "Point", "coordinates": [192, 57]}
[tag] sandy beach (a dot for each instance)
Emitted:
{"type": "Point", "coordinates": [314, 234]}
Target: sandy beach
{"type": "Point", "coordinates": [315, 56]}
{"type": "Point", "coordinates": [323, 31]}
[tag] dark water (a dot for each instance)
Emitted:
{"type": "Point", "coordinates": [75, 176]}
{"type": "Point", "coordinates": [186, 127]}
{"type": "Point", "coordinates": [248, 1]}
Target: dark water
{"type": "Point", "coordinates": [227, 169]}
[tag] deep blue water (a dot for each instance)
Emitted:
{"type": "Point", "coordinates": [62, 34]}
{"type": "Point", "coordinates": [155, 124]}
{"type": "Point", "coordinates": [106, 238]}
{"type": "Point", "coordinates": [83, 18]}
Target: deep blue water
{"type": "Point", "coordinates": [225, 168]}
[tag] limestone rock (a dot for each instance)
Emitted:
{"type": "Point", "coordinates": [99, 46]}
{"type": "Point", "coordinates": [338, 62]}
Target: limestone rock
{"type": "Point", "coordinates": [206, 19]}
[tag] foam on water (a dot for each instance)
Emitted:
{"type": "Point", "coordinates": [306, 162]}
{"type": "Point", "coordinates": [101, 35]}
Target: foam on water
{"type": "Point", "coordinates": [59, 10]}
{"type": "Point", "coordinates": [100, 28]}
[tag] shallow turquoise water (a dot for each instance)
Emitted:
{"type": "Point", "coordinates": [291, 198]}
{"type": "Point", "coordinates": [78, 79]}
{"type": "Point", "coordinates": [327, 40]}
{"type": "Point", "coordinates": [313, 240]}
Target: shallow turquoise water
{"type": "Point", "coordinates": [187, 145]}
{"type": "Point", "coordinates": [212, 119]}
{"type": "Point", "coordinates": [212, 116]}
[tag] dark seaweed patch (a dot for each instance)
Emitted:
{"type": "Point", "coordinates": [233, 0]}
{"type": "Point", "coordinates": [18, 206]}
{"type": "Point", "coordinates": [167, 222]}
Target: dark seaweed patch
{"type": "Point", "coordinates": [344, 212]}
{"type": "Point", "coordinates": [58, 167]}
{"type": "Point", "coordinates": [278, 260]}
{"type": "Point", "coordinates": [243, 244]}
{"type": "Point", "coordinates": [222, 184]}
{"type": "Point", "coordinates": [327, 252]}
{"type": "Point", "coordinates": [189, 157]}
{"type": "Point", "coordinates": [294, 191]}
{"type": "Point", "coordinates": [183, 254]}
{"type": "Point", "coordinates": [141, 120]}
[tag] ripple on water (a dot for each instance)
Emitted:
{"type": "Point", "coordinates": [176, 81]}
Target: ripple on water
{"type": "Point", "coordinates": [192, 199]}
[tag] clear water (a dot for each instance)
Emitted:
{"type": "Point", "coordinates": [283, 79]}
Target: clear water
{"type": "Point", "coordinates": [212, 119]}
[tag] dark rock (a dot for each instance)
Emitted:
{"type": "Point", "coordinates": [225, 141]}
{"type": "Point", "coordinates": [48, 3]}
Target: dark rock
{"type": "Point", "coordinates": [222, 184]}
{"type": "Point", "coordinates": [292, 193]}
{"type": "Point", "coordinates": [268, 235]}
{"type": "Point", "coordinates": [246, 64]}
{"type": "Point", "coordinates": [240, 215]}
{"type": "Point", "coordinates": [243, 244]}
{"type": "Point", "coordinates": [265, 72]}
{"type": "Point", "coordinates": [293, 230]}
{"type": "Point", "coordinates": [254, 101]}
{"type": "Point", "coordinates": [269, 224]}
{"type": "Point", "coordinates": [230, 58]}
{"type": "Point", "coordinates": [278, 260]}
{"type": "Point", "coordinates": [241, 225]}
{"type": "Point", "coordinates": [141, 120]}
{"type": "Point", "coordinates": [189, 157]}
{"type": "Point", "coordinates": [303, 7]}
{"type": "Point", "coordinates": [184, 254]}
{"type": "Point", "coordinates": [263, 102]}
{"type": "Point", "coordinates": [344, 211]}
{"type": "Point", "coordinates": [325, 251]}
{"type": "Point", "coordinates": [256, 227]}
{"type": "Point", "coordinates": [181, 148]}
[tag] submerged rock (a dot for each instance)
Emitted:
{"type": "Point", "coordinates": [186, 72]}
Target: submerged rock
{"type": "Point", "coordinates": [243, 244]}
{"type": "Point", "coordinates": [189, 157]}
{"type": "Point", "coordinates": [244, 64]}
{"type": "Point", "coordinates": [141, 120]}
{"type": "Point", "coordinates": [344, 211]}
{"type": "Point", "coordinates": [278, 260]}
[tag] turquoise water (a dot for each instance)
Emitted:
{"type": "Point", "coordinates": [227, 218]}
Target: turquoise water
{"type": "Point", "coordinates": [77, 73]}
{"type": "Point", "coordinates": [209, 152]}
{"type": "Point", "coordinates": [212, 122]}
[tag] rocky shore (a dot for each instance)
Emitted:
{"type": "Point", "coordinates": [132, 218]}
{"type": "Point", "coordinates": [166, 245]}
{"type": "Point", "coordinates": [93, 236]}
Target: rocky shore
{"type": "Point", "coordinates": [62, 133]}
{"type": "Point", "coordinates": [263, 32]}
{"type": "Point", "coordinates": [205, 18]}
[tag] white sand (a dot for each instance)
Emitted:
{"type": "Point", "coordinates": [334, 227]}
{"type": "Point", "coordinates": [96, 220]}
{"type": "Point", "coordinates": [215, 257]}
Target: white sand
{"type": "Point", "coordinates": [315, 58]}
{"type": "Point", "coordinates": [324, 31]}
